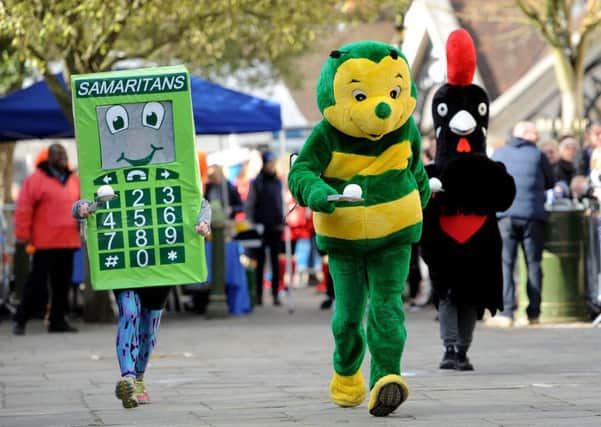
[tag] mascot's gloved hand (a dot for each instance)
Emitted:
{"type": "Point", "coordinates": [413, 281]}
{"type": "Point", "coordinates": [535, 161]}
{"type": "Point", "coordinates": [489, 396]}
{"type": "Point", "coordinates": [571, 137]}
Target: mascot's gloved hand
{"type": "Point", "coordinates": [318, 199]}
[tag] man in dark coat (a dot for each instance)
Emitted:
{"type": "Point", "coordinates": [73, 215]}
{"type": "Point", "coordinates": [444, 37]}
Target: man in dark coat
{"type": "Point", "coordinates": [264, 206]}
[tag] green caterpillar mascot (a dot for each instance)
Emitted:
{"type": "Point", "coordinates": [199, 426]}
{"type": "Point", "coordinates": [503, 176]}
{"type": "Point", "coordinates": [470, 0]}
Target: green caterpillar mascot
{"type": "Point", "coordinates": [360, 172]}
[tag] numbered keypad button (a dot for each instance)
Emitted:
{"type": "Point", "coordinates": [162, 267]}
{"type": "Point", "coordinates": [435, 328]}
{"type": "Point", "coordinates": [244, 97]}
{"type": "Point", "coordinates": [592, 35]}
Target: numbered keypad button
{"type": "Point", "coordinates": [171, 235]}
{"type": "Point", "coordinates": [142, 257]}
{"type": "Point", "coordinates": [139, 217]}
{"type": "Point", "coordinates": [112, 204]}
{"type": "Point", "coordinates": [112, 261]}
{"type": "Point", "coordinates": [140, 238]}
{"type": "Point", "coordinates": [108, 220]}
{"type": "Point", "coordinates": [137, 197]}
{"type": "Point", "coordinates": [173, 255]}
{"type": "Point", "coordinates": [110, 240]}
{"type": "Point", "coordinates": [169, 215]}
{"type": "Point", "coordinates": [168, 195]}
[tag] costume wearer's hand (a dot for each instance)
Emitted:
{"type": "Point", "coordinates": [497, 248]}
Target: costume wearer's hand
{"type": "Point", "coordinates": [203, 229]}
{"type": "Point", "coordinates": [318, 199]}
{"type": "Point", "coordinates": [84, 210]}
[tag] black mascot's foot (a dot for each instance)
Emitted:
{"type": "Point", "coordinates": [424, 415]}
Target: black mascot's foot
{"type": "Point", "coordinates": [463, 362]}
{"type": "Point", "coordinates": [449, 359]}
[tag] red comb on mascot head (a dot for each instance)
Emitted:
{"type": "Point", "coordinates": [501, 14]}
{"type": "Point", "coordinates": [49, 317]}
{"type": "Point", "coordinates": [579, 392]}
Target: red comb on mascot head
{"type": "Point", "coordinates": [461, 58]}
{"type": "Point", "coordinates": [461, 242]}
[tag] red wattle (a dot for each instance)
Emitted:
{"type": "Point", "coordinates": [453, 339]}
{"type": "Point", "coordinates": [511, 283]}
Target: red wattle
{"type": "Point", "coordinates": [464, 146]}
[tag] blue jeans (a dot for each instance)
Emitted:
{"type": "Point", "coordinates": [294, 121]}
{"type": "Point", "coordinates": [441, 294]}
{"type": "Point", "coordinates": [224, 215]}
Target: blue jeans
{"type": "Point", "coordinates": [530, 234]}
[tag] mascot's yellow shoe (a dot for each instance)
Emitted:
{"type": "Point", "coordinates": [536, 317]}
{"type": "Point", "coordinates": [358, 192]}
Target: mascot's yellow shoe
{"type": "Point", "coordinates": [347, 391]}
{"type": "Point", "coordinates": [387, 395]}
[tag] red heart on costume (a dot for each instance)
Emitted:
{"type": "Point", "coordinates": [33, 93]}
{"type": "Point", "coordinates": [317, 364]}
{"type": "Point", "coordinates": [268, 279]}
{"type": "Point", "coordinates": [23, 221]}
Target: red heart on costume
{"type": "Point", "coordinates": [461, 227]}
{"type": "Point", "coordinates": [464, 146]}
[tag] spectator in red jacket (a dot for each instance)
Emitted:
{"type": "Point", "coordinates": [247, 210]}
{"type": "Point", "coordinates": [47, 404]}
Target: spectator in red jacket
{"type": "Point", "coordinates": [43, 219]}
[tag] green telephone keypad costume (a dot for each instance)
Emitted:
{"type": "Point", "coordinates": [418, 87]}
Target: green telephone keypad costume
{"type": "Point", "coordinates": [367, 138]}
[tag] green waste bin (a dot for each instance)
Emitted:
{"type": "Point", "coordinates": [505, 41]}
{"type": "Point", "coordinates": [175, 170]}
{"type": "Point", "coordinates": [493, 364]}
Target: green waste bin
{"type": "Point", "coordinates": [564, 271]}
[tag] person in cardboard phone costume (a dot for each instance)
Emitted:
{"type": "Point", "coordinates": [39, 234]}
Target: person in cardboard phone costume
{"type": "Point", "coordinates": [137, 161]}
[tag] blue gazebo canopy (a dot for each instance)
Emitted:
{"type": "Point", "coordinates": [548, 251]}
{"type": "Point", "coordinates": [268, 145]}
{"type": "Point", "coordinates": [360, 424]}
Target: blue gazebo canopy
{"type": "Point", "coordinates": [33, 112]}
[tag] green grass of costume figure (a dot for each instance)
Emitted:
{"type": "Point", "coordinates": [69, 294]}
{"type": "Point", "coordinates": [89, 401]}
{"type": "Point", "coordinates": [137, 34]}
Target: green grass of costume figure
{"type": "Point", "coordinates": [367, 138]}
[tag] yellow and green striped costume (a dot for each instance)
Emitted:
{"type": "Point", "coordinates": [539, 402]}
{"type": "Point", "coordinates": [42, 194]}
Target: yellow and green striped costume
{"type": "Point", "coordinates": [390, 173]}
{"type": "Point", "coordinates": [368, 138]}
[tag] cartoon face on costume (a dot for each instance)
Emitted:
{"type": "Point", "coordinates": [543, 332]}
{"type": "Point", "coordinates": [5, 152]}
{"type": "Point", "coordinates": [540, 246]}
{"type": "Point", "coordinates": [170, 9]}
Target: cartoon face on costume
{"type": "Point", "coordinates": [136, 134]}
{"type": "Point", "coordinates": [365, 90]}
{"type": "Point", "coordinates": [460, 115]}
{"type": "Point", "coordinates": [460, 108]}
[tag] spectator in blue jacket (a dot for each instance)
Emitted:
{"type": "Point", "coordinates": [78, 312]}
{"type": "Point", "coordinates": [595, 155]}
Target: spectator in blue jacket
{"type": "Point", "coordinates": [524, 222]}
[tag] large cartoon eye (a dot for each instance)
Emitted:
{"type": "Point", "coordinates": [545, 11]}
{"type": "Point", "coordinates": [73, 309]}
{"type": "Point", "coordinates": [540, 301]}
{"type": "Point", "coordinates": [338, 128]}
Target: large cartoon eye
{"type": "Point", "coordinates": [395, 92]}
{"type": "Point", "coordinates": [117, 119]}
{"type": "Point", "coordinates": [482, 108]}
{"type": "Point", "coordinates": [152, 115]}
{"type": "Point", "coordinates": [359, 95]}
{"type": "Point", "coordinates": [442, 109]}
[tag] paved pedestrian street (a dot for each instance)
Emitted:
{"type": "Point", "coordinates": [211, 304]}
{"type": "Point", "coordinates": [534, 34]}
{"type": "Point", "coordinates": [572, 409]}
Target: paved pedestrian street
{"type": "Point", "coordinates": [272, 368]}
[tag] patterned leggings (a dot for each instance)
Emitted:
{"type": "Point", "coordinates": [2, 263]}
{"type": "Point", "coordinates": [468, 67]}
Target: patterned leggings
{"type": "Point", "coordinates": [136, 334]}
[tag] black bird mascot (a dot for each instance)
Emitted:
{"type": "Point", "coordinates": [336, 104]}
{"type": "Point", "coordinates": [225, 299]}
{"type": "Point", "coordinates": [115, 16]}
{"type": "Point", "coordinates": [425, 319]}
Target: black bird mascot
{"type": "Point", "coordinates": [461, 242]}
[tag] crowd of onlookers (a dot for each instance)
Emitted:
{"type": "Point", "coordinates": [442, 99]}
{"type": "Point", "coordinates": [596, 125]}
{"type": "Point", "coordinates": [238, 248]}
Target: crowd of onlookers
{"type": "Point", "coordinates": [576, 169]}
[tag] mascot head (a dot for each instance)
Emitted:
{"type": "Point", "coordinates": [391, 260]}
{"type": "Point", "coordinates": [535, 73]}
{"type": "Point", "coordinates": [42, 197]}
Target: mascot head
{"type": "Point", "coordinates": [365, 89]}
{"type": "Point", "coordinates": [460, 108]}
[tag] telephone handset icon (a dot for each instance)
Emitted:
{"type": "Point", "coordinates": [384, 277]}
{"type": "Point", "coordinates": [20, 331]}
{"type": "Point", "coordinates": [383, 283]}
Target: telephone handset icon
{"type": "Point", "coordinates": [134, 175]}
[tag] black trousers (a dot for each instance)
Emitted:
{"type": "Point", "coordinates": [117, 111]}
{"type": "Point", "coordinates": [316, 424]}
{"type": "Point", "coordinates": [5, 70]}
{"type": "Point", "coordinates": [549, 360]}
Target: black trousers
{"type": "Point", "coordinates": [272, 239]}
{"type": "Point", "coordinates": [415, 275]}
{"type": "Point", "coordinates": [53, 264]}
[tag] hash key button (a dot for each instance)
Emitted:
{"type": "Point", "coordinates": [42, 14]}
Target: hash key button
{"type": "Point", "coordinates": [112, 261]}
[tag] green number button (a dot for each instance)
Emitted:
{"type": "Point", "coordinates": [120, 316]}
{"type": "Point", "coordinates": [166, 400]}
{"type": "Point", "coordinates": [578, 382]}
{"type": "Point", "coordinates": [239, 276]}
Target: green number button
{"type": "Point", "coordinates": [168, 195]}
{"type": "Point", "coordinates": [140, 238]}
{"type": "Point", "coordinates": [112, 204]}
{"type": "Point", "coordinates": [137, 197]}
{"type": "Point", "coordinates": [169, 215]}
{"type": "Point", "coordinates": [170, 235]}
{"type": "Point", "coordinates": [173, 255]}
{"type": "Point", "coordinates": [139, 218]}
{"type": "Point", "coordinates": [109, 219]}
{"type": "Point", "coordinates": [109, 240]}
{"type": "Point", "coordinates": [141, 257]}
{"type": "Point", "coordinates": [112, 261]}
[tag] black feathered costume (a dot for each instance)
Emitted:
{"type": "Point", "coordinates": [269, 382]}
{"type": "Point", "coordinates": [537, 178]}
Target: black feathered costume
{"type": "Point", "coordinates": [461, 242]}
